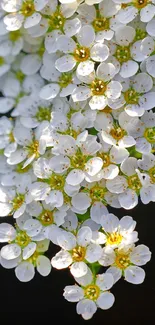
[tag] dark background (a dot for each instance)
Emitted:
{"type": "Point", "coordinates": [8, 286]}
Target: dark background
{"type": "Point", "coordinates": [134, 304]}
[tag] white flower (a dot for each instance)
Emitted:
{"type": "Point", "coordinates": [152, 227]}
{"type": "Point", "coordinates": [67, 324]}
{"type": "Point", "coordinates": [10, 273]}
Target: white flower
{"type": "Point", "coordinates": [76, 251]}
{"type": "Point", "coordinates": [141, 129]}
{"type": "Point", "coordinates": [81, 53]}
{"type": "Point", "coordinates": [130, 185]}
{"type": "Point", "coordinates": [98, 86]}
{"type": "Point", "coordinates": [22, 13]}
{"type": "Point", "coordinates": [20, 243]}
{"type": "Point", "coordinates": [33, 111]}
{"type": "Point", "coordinates": [138, 95]}
{"type": "Point", "coordinates": [25, 270]}
{"type": "Point", "coordinates": [59, 24]}
{"type": "Point", "coordinates": [54, 22]}
{"type": "Point", "coordinates": [147, 165]}
{"type": "Point", "coordinates": [102, 19]}
{"type": "Point", "coordinates": [23, 252]}
{"type": "Point", "coordinates": [145, 141]}
{"type": "Point", "coordinates": [14, 199]}
{"type": "Point", "coordinates": [6, 134]}
{"type": "Point", "coordinates": [124, 52]}
{"type": "Point", "coordinates": [145, 9]}
{"type": "Point", "coordinates": [60, 83]}
{"type": "Point", "coordinates": [53, 187]}
{"type": "Point", "coordinates": [118, 233]}
{"type": "Point", "coordinates": [72, 118]}
{"type": "Point", "coordinates": [31, 142]}
{"type": "Point", "coordinates": [15, 87]}
{"type": "Point", "coordinates": [97, 192]}
{"type": "Point", "coordinates": [81, 154]}
{"type": "Point", "coordinates": [72, 123]}
{"type": "Point", "coordinates": [115, 135]}
{"type": "Point", "coordinates": [126, 261]}
{"type": "Point", "coordinates": [46, 216]}
{"type": "Point", "coordinates": [93, 294]}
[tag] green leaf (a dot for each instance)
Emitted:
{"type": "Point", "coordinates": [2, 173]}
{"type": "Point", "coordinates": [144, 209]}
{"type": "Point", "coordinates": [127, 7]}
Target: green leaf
{"type": "Point", "coordinates": [83, 217]}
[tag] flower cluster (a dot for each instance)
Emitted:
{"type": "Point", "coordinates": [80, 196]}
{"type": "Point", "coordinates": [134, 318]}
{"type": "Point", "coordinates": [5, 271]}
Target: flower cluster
{"type": "Point", "coordinates": [77, 138]}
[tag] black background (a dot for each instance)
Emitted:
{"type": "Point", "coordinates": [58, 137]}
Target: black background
{"type": "Point", "coordinates": [134, 304]}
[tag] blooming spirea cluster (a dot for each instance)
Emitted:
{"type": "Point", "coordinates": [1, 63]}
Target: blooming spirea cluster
{"type": "Point", "coordinates": [77, 137]}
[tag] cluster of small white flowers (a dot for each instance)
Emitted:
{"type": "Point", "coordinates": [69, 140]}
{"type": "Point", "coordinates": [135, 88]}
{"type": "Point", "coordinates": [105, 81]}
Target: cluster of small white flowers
{"type": "Point", "coordinates": [77, 136]}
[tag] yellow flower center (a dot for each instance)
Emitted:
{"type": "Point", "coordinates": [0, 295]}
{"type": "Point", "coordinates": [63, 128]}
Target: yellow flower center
{"type": "Point", "coordinates": [22, 239]}
{"type": "Point", "coordinates": [81, 54]}
{"type": "Point", "coordinates": [92, 292]}
{"type": "Point", "coordinates": [114, 238]}
{"type": "Point", "coordinates": [11, 137]}
{"type": "Point", "coordinates": [124, 5]}
{"type": "Point", "coordinates": [71, 132]}
{"type": "Point", "coordinates": [18, 201]}
{"type": "Point", "coordinates": [57, 20]}
{"type": "Point", "coordinates": [122, 261]}
{"type": "Point", "coordinates": [117, 133]}
{"type": "Point", "coordinates": [106, 158]}
{"type": "Point", "coordinates": [140, 34]}
{"type": "Point", "coordinates": [33, 259]}
{"type": "Point", "coordinates": [98, 87]}
{"type": "Point", "coordinates": [97, 193]}
{"type": "Point", "coordinates": [131, 96]}
{"type": "Point", "coordinates": [33, 149]}
{"type": "Point", "coordinates": [152, 174]}
{"type": "Point", "coordinates": [13, 36]}
{"type": "Point", "coordinates": [43, 113]}
{"type": "Point", "coordinates": [139, 4]}
{"type": "Point", "coordinates": [56, 182]}
{"type": "Point", "coordinates": [78, 253]}
{"type": "Point", "coordinates": [2, 61]}
{"type": "Point", "coordinates": [100, 24]}
{"type": "Point", "coordinates": [65, 79]}
{"type": "Point", "coordinates": [149, 135]}
{"type": "Point", "coordinates": [20, 76]}
{"type": "Point", "coordinates": [78, 160]}
{"type": "Point", "coordinates": [46, 218]}
{"type": "Point", "coordinates": [134, 182]}
{"type": "Point", "coordinates": [27, 8]}
{"type": "Point", "coordinates": [122, 53]}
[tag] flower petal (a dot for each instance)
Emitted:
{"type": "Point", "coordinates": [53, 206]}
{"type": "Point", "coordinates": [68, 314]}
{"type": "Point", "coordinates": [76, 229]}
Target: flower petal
{"type": "Point", "coordinates": [43, 265]}
{"type": "Point", "coordinates": [78, 269]}
{"type": "Point", "coordinates": [140, 255]}
{"type": "Point", "coordinates": [134, 274]}
{"type": "Point", "coordinates": [105, 300]}
{"type": "Point", "coordinates": [61, 260]}
{"type": "Point", "coordinates": [93, 253]}
{"type": "Point", "coordinates": [10, 251]}
{"type": "Point", "coordinates": [73, 293]}
{"type": "Point", "coordinates": [105, 281]}
{"type": "Point", "coordinates": [25, 272]}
